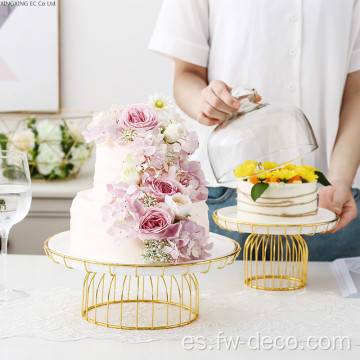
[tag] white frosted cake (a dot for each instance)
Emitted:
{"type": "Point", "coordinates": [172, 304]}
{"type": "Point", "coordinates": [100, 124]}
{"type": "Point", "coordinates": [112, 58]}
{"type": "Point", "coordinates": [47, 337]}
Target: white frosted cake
{"type": "Point", "coordinates": [279, 199]}
{"type": "Point", "coordinates": [270, 191]}
{"type": "Point", "coordinates": [147, 204]}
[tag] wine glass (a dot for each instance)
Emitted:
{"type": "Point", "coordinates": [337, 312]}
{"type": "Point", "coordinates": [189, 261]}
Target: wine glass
{"type": "Point", "coordinates": [15, 201]}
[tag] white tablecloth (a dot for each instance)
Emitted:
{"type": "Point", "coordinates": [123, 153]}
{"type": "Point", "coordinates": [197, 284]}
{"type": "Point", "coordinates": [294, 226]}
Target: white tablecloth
{"type": "Point", "coordinates": [50, 315]}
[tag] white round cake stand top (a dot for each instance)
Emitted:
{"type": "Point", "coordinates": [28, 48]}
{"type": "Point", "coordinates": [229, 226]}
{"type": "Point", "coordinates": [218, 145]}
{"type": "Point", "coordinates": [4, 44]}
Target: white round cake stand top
{"type": "Point", "coordinates": [234, 220]}
{"type": "Point", "coordinates": [224, 252]}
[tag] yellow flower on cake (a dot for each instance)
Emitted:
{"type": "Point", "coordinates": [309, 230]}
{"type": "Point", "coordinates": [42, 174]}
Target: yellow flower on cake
{"type": "Point", "coordinates": [284, 174]}
{"type": "Point", "coordinates": [245, 169]}
{"type": "Point", "coordinates": [268, 165]}
{"type": "Point", "coordinates": [290, 166]}
{"type": "Point", "coordinates": [307, 173]}
{"type": "Point", "coordinates": [263, 176]}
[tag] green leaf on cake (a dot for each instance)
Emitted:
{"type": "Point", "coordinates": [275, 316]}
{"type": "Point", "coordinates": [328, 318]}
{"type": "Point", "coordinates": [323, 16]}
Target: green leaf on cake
{"type": "Point", "coordinates": [322, 179]}
{"type": "Point", "coordinates": [258, 189]}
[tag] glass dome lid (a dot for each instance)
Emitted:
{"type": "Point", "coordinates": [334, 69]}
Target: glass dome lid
{"type": "Point", "coordinates": [260, 132]}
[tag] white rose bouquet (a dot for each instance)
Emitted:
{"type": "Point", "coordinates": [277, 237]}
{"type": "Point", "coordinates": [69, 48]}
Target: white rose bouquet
{"type": "Point", "coordinates": [55, 148]}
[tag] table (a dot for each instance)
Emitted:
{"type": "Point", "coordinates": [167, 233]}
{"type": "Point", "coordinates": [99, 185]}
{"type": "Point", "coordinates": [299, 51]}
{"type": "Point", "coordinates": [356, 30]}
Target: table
{"type": "Point", "coordinates": [43, 273]}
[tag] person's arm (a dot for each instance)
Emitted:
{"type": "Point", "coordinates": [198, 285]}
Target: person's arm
{"type": "Point", "coordinates": [345, 157]}
{"type": "Point", "coordinates": [207, 103]}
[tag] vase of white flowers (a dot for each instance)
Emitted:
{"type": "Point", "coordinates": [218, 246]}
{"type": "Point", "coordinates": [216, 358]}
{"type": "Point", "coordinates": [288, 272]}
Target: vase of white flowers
{"type": "Point", "coordinates": [54, 144]}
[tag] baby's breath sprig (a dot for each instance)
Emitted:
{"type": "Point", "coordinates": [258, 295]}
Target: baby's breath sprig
{"type": "Point", "coordinates": [153, 252]}
{"type": "Point", "coordinates": [127, 135]}
{"type": "Point", "coordinates": [148, 200]}
{"type": "Point", "coordinates": [169, 157]}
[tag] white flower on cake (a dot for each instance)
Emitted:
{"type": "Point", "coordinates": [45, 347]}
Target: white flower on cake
{"type": "Point", "coordinates": [24, 140]}
{"type": "Point", "coordinates": [180, 204]}
{"type": "Point", "coordinates": [173, 133]}
{"type": "Point", "coordinates": [128, 171]}
{"type": "Point", "coordinates": [160, 102]}
{"type": "Point", "coordinates": [168, 118]}
{"type": "Point", "coordinates": [49, 158]}
{"type": "Point", "coordinates": [48, 131]}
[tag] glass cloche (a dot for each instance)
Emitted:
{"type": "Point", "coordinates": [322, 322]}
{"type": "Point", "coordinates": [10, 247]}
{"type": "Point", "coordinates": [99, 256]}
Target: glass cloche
{"type": "Point", "coordinates": [260, 132]}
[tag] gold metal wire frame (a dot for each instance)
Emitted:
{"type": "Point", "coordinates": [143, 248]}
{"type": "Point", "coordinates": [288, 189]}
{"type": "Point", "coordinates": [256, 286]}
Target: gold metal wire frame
{"type": "Point", "coordinates": [141, 302]}
{"type": "Point", "coordinates": [274, 261]}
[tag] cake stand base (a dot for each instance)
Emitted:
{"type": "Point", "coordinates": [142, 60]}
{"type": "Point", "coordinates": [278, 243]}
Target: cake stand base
{"type": "Point", "coordinates": [140, 302]}
{"type": "Point", "coordinates": [275, 262]}
{"type": "Point", "coordinates": [141, 296]}
{"type": "Point", "coordinates": [275, 254]}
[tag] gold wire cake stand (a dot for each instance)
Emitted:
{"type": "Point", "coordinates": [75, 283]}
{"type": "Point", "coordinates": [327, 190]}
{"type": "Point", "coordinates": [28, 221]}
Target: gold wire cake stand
{"type": "Point", "coordinates": [275, 254]}
{"type": "Point", "coordinates": [141, 296]}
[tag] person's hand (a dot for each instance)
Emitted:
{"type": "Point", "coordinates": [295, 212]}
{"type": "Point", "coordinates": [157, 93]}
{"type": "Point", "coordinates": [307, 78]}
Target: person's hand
{"type": "Point", "coordinates": [216, 103]}
{"type": "Point", "coordinates": [339, 199]}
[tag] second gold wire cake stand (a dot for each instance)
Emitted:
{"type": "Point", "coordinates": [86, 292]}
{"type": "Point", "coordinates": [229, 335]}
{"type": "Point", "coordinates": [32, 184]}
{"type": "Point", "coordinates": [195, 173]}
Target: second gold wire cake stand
{"type": "Point", "coordinates": [275, 254]}
{"type": "Point", "coordinates": [141, 296]}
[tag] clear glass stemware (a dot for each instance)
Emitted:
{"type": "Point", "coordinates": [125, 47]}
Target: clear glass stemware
{"type": "Point", "coordinates": [15, 201]}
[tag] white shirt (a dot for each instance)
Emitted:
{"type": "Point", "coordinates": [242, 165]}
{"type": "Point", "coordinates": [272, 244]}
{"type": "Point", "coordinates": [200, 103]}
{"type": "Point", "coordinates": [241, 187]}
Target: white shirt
{"type": "Point", "coordinates": [292, 51]}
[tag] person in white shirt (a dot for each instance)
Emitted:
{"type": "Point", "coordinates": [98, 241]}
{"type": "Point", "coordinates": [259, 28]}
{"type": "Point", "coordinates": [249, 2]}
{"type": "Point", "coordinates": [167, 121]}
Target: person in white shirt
{"type": "Point", "coordinates": [302, 52]}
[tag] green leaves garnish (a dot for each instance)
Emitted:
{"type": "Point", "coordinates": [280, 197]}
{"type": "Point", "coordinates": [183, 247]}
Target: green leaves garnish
{"type": "Point", "coordinates": [258, 189]}
{"type": "Point", "coordinates": [321, 178]}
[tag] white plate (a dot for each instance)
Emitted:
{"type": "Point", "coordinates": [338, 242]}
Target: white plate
{"type": "Point", "coordinates": [234, 220]}
{"type": "Point", "coordinates": [223, 253]}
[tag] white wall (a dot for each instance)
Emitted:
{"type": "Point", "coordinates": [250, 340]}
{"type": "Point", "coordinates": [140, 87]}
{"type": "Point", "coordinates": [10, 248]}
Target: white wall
{"type": "Point", "coordinates": [104, 56]}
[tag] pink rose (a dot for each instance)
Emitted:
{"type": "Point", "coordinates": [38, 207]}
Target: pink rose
{"type": "Point", "coordinates": [139, 116]}
{"type": "Point", "coordinates": [163, 186]}
{"type": "Point", "coordinates": [153, 223]}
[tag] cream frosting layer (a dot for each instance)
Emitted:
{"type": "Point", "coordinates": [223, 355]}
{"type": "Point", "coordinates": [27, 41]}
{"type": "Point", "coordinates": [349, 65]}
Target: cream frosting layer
{"type": "Point", "coordinates": [88, 233]}
{"type": "Point", "coordinates": [279, 200]}
{"type": "Point", "coordinates": [109, 160]}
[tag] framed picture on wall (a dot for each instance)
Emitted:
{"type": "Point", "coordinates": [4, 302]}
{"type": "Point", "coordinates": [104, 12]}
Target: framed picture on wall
{"type": "Point", "coordinates": [29, 56]}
